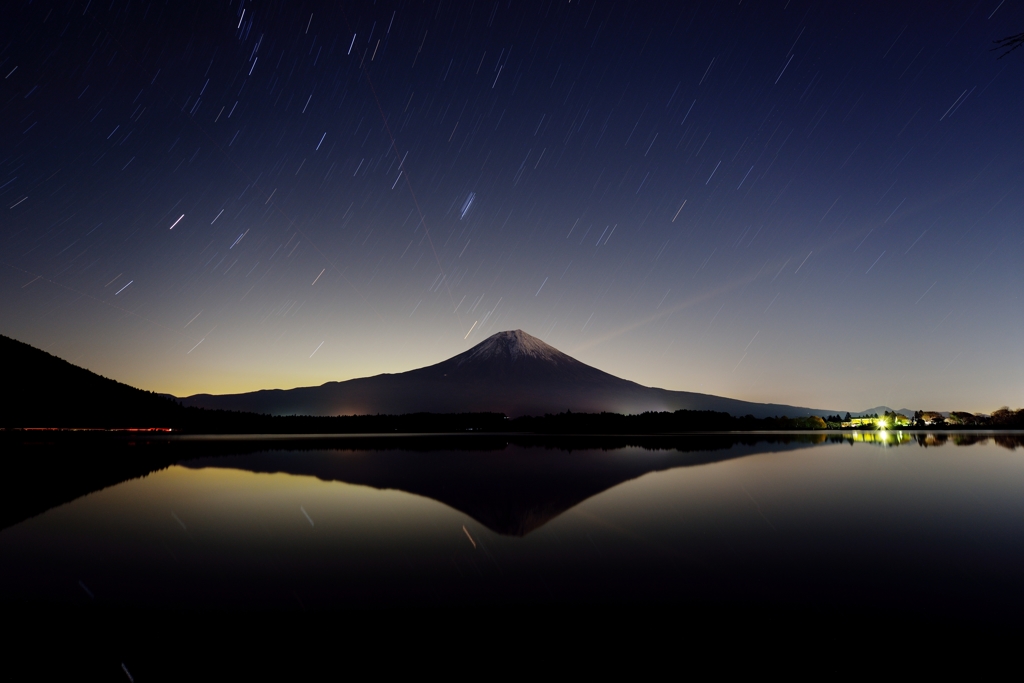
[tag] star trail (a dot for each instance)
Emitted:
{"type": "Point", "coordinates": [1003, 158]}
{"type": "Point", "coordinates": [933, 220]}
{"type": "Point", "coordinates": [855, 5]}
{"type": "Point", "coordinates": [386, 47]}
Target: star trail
{"type": "Point", "coordinates": [778, 201]}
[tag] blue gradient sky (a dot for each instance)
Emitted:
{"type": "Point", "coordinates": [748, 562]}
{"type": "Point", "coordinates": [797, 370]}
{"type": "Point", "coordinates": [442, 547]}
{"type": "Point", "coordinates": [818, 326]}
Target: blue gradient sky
{"type": "Point", "coordinates": [777, 201]}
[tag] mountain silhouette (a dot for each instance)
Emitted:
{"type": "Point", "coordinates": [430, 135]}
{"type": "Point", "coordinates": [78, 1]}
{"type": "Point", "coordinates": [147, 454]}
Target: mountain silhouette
{"type": "Point", "coordinates": [41, 390]}
{"type": "Point", "coordinates": [510, 372]}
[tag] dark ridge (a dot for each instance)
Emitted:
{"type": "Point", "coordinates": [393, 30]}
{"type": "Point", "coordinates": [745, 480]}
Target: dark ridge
{"type": "Point", "coordinates": [42, 390]}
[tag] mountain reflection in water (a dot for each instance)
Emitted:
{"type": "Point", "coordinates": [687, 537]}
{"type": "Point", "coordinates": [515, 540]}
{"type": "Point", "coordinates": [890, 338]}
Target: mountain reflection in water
{"type": "Point", "coordinates": [513, 488]}
{"type": "Point", "coordinates": [851, 523]}
{"type": "Point", "coordinates": [511, 491]}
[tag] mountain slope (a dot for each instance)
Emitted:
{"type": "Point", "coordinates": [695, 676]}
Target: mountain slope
{"type": "Point", "coordinates": [41, 390]}
{"type": "Point", "coordinates": [509, 372]}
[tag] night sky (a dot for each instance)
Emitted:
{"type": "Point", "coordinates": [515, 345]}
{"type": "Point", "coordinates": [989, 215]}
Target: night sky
{"type": "Point", "coordinates": [774, 201]}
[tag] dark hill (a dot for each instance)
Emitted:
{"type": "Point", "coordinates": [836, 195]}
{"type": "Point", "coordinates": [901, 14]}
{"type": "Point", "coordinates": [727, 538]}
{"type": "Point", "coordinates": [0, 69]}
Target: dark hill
{"type": "Point", "coordinates": [41, 390]}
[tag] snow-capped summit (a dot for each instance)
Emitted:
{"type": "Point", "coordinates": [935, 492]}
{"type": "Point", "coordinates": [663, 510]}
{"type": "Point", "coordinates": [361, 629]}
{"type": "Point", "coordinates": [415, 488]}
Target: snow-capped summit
{"type": "Point", "coordinates": [514, 361]}
{"type": "Point", "coordinates": [512, 345]}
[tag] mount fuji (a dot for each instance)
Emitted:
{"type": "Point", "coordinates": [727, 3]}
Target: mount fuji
{"type": "Point", "coordinates": [510, 372]}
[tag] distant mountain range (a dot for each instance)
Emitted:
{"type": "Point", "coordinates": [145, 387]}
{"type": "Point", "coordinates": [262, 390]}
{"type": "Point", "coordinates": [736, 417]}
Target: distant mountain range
{"type": "Point", "coordinates": [882, 410]}
{"type": "Point", "coordinates": [510, 372]}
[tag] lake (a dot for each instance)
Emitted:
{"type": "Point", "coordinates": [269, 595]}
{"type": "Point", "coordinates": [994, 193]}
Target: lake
{"type": "Point", "coordinates": [897, 524]}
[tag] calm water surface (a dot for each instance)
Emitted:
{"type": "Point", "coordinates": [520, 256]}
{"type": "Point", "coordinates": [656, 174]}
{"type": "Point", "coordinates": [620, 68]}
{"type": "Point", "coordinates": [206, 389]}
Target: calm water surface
{"type": "Point", "coordinates": [909, 524]}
